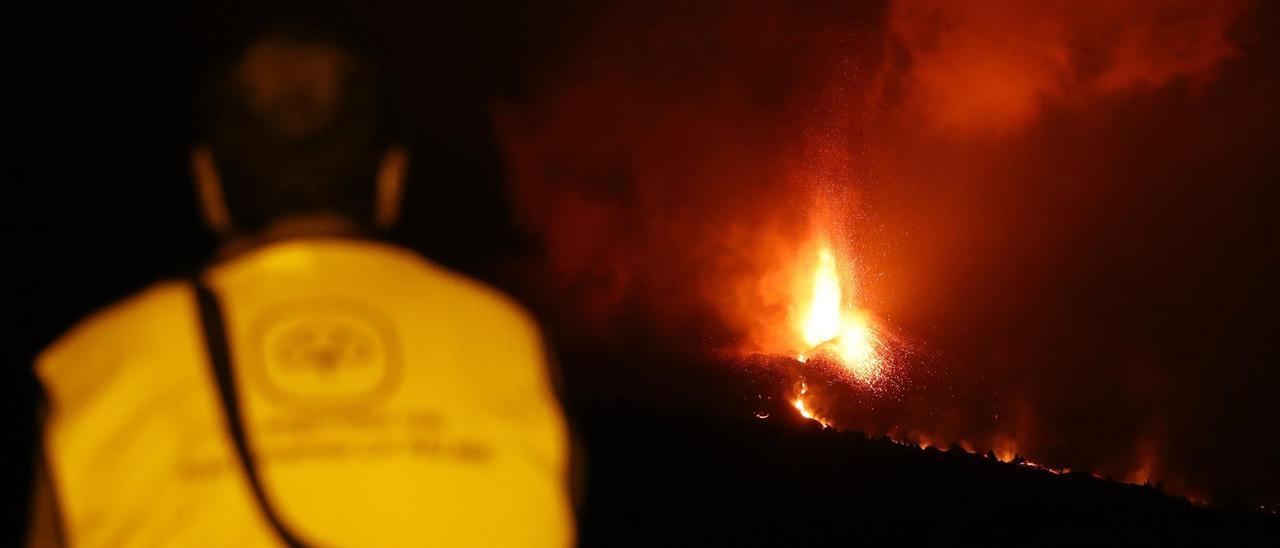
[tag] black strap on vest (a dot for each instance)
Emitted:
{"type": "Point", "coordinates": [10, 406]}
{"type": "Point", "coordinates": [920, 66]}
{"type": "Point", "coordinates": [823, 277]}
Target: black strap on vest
{"type": "Point", "coordinates": [215, 336]}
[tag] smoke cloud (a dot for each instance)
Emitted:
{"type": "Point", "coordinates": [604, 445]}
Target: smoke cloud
{"type": "Point", "coordinates": [977, 67]}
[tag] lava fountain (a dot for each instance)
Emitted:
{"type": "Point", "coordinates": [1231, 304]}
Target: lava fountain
{"type": "Point", "coordinates": [834, 328]}
{"type": "Point", "coordinates": [839, 339]}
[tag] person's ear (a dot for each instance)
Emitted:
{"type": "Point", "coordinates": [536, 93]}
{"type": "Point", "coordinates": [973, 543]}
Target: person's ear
{"type": "Point", "coordinates": [392, 174]}
{"type": "Point", "coordinates": [213, 202]}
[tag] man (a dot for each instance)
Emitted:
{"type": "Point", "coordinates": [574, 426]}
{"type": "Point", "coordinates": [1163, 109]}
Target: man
{"type": "Point", "coordinates": [314, 386]}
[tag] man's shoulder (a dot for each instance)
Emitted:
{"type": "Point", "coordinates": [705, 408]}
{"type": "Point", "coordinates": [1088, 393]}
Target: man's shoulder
{"type": "Point", "coordinates": [474, 297]}
{"type": "Point", "coordinates": [460, 288]}
{"type": "Point", "coordinates": [148, 315]}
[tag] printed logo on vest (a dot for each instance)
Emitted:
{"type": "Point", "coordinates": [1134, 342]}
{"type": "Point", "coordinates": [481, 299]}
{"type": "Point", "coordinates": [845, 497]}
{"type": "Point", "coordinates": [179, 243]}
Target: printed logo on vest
{"type": "Point", "coordinates": [329, 353]}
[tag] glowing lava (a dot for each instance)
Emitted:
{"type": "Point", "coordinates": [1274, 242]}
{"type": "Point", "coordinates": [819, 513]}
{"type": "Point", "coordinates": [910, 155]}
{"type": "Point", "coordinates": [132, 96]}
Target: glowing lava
{"type": "Point", "coordinates": [832, 327]}
{"type": "Point", "coordinates": [803, 407]}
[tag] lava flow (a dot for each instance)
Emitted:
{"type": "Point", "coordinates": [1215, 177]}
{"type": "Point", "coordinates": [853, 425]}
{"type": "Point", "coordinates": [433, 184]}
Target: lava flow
{"type": "Point", "coordinates": [803, 407]}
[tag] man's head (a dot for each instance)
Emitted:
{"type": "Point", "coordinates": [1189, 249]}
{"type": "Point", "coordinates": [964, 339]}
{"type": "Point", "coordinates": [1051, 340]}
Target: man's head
{"type": "Point", "coordinates": [294, 133]}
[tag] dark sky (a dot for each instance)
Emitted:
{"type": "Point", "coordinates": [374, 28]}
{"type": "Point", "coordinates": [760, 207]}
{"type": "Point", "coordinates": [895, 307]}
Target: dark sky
{"type": "Point", "coordinates": [1092, 252]}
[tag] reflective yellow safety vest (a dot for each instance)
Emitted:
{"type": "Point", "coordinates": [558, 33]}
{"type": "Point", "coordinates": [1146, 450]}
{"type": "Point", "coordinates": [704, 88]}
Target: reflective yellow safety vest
{"type": "Point", "coordinates": [383, 401]}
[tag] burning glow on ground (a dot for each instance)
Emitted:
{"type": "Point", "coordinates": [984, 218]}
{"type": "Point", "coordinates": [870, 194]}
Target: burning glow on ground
{"type": "Point", "coordinates": [834, 328]}
{"type": "Point", "coordinates": [839, 335]}
{"type": "Point", "coordinates": [841, 341]}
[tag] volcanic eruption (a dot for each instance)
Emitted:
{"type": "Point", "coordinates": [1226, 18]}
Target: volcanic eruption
{"type": "Point", "coordinates": [837, 335]}
{"type": "Point", "coordinates": [993, 225]}
{"type": "Point", "coordinates": [834, 327]}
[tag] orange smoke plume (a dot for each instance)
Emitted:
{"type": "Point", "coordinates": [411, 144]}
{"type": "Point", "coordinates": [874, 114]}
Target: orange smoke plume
{"type": "Point", "coordinates": [979, 67]}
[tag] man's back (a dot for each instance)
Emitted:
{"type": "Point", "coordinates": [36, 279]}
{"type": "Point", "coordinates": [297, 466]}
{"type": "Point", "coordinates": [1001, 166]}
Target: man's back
{"type": "Point", "coordinates": [386, 402]}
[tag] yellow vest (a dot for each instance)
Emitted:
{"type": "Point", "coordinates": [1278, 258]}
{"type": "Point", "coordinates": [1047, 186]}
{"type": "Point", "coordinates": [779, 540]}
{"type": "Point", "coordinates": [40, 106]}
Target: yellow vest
{"type": "Point", "coordinates": [386, 401]}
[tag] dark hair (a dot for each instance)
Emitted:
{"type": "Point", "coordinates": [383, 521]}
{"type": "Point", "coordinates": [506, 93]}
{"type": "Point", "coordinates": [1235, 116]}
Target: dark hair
{"type": "Point", "coordinates": [294, 128]}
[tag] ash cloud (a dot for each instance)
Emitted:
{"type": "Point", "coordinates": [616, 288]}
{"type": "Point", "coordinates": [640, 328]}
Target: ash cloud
{"type": "Point", "coordinates": [1063, 200]}
{"type": "Point", "coordinates": [975, 67]}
